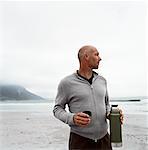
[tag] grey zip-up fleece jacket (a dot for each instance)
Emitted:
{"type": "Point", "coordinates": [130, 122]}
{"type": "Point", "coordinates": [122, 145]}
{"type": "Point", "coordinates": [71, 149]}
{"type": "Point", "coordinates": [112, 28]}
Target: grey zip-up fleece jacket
{"type": "Point", "coordinates": [81, 96]}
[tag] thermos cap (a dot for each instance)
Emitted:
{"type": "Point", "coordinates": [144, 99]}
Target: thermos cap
{"type": "Point", "coordinates": [114, 109]}
{"type": "Point", "coordinates": [114, 105]}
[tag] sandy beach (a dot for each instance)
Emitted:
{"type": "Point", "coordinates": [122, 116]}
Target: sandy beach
{"type": "Point", "coordinates": [35, 128]}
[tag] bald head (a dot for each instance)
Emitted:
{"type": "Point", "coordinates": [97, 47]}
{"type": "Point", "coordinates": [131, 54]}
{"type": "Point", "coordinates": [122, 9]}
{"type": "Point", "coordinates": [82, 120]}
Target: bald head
{"type": "Point", "coordinates": [89, 57]}
{"type": "Point", "coordinates": [85, 50]}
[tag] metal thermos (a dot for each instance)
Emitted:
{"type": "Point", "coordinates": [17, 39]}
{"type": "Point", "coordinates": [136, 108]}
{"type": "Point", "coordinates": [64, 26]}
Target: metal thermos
{"type": "Point", "coordinates": [115, 127]}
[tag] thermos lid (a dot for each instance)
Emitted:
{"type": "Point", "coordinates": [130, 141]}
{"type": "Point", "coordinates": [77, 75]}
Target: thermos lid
{"type": "Point", "coordinates": [114, 108]}
{"type": "Point", "coordinates": [114, 105]}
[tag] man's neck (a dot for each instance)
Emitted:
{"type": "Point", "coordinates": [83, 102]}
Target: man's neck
{"type": "Point", "coordinates": [87, 73]}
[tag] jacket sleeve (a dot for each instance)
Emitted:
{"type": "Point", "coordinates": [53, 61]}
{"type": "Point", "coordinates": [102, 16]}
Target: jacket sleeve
{"type": "Point", "coordinates": [59, 108]}
{"type": "Point", "coordinates": [108, 108]}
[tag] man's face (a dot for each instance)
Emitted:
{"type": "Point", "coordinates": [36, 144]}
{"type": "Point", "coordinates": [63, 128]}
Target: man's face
{"type": "Point", "coordinates": [94, 59]}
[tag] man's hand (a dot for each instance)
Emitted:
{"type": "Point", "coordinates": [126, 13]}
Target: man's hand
{"type": "Point", "coordinates": [81, 119]}
{"type": "Point", "coordinates": [121, 116]}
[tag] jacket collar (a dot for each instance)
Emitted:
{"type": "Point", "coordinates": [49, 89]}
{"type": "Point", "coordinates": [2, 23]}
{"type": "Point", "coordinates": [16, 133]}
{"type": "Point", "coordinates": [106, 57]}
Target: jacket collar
{"type": "Point", "coordinates": [95, 74]}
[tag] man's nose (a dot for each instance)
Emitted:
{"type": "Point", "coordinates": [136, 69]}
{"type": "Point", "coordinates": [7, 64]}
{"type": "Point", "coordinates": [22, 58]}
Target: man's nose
{"type": "Point", "coordinates": [100, 58]}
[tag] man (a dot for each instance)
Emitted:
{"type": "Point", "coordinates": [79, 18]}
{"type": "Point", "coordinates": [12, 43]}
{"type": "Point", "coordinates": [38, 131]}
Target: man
{"type": "Point", "coordinates": [82, 91]}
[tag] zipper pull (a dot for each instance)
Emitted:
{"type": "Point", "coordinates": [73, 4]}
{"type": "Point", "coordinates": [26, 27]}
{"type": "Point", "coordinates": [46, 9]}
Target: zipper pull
{"type": "Point", "coordinates": [91, 87]}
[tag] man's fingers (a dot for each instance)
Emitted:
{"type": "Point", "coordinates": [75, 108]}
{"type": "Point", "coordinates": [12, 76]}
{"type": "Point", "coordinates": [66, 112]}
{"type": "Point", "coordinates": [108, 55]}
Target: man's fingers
{"type": "Point", "coordinates": [81, 114]}
{"type": "Point", "coordinates": [82, 122]}
{"type": "Point", "coordinates": [121, 116]}
{"type": "Point", "coordinates": [81, 119]}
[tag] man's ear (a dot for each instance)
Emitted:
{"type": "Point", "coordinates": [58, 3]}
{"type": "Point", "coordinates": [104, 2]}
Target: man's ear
{"type": "Point", "coordinates": [86, 56]}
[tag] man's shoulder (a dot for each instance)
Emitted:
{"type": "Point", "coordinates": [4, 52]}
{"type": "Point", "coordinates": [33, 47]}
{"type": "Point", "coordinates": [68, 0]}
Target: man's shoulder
{"type": "Point", "coordinates": [103, 78]}
{"type": "Point", "coordinates": [99, 76]}
{"type": "Point", "coordinates": [67, 78]}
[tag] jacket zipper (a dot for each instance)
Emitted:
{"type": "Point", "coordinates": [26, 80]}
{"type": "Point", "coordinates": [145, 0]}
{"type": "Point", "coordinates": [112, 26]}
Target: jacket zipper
{"type": "Point", "coordinates": [91, 86]}
{"type": "Point", "coordinates": [95, 106]}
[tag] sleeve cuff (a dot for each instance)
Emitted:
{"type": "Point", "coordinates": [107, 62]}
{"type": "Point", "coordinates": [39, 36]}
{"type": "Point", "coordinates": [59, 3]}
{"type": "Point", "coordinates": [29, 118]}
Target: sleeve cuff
{"type": "Point", "coordinates": [70, 120]}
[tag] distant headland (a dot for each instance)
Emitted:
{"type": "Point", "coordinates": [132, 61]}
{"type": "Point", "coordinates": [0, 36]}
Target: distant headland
{"type": "Point", "coordinates": [16, 92]}
{"type": "Point", "coordinates": [128, 99]}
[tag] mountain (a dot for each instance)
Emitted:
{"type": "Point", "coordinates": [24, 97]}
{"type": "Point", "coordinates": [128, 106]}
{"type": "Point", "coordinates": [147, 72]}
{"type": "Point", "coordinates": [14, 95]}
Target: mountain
{"type": "Point", "coordinates": [16, 92]}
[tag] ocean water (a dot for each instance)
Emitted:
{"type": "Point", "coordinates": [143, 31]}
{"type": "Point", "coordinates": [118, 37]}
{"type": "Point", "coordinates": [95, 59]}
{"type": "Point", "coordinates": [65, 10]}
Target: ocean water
{"type": "Point", "coordinates": [27, 106]}
{"type": "Point", "coordinates": [133, 107]}
{"type": "Point", "coordinates": [128, 107]}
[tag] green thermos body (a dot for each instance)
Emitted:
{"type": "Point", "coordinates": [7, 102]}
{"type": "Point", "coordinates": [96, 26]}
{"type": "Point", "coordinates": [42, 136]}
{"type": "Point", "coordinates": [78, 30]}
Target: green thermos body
{"type": "Point", "coordinates": [115, 127]}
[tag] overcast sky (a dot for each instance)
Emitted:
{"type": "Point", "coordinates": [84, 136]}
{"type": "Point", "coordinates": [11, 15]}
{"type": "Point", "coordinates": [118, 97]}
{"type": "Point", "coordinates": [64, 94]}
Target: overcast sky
{"type": "Point", "coordinates": [39, 41]}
